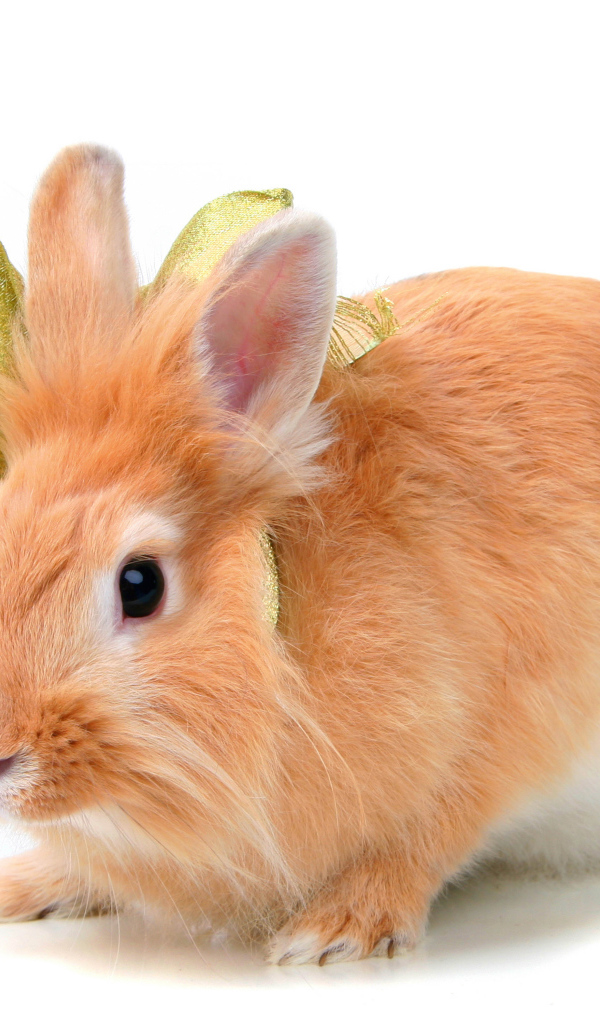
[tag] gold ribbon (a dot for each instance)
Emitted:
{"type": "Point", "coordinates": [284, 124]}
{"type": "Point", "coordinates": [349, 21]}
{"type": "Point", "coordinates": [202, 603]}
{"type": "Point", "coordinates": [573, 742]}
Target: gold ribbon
{"type": "Point", "coordinates": [196, 251]}
{"type": "Point", "coordinates": [210, 233]}
{"type": "Point", "coordinates": [11, 295]}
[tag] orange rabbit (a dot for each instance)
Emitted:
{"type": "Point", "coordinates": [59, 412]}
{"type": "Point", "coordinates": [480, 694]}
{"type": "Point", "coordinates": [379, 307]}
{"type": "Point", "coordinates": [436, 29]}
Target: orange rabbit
{"type": "Point", "coordinates": [430, 695]}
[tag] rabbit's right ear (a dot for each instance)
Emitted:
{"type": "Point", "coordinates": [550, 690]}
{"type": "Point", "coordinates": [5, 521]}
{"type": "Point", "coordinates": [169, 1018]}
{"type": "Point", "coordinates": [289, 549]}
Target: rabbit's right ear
{"type": "Point", "coordinates": [267, 322]}
{"type": "Point", "coordinates": [82, 277]}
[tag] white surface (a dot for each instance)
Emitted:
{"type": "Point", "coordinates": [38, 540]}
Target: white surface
{"type": "Point", "coordinates": [498, 949]}
{"type": "Point", "coordinates": [431, 135]}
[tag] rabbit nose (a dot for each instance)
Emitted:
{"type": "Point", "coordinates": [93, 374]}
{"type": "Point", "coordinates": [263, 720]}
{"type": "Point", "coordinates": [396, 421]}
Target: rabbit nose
{"type": "Point", "coordinates": [6, 764]}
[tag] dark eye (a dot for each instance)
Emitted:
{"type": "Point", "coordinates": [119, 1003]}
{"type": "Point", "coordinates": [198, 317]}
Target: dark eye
{"type": "Point", "coordinates": [142, 586]}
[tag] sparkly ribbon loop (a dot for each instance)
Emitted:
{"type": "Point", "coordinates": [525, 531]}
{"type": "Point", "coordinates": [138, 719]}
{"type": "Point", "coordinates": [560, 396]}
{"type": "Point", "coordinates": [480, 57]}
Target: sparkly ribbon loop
{"type": "Point", "coordinates": [212, 231]}
{"type": "Point", "coordinates": [11, 304]}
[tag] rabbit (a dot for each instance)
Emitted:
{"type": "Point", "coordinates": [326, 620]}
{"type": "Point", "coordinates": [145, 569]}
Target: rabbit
{"type": "Point", "coordinates": [429, 697]}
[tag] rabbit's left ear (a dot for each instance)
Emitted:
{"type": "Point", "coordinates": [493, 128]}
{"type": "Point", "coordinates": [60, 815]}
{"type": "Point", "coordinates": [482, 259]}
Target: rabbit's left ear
{"type": "Point", "coordinates": [267, 321]}
{"type": "Point", "coordinates": [82, 276]}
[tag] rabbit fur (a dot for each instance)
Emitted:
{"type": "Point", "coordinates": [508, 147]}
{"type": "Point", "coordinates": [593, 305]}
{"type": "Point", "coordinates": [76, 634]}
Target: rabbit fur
{"type": "Point", "coordinates": [436, 518]}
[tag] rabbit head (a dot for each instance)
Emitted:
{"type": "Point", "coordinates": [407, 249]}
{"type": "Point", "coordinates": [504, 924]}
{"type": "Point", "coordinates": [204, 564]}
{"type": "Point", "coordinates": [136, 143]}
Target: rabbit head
{"type": "Point", "coordinates": [161, 432]}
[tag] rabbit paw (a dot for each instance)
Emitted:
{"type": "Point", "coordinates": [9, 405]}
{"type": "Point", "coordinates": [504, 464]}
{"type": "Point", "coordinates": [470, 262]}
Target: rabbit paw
{"type": "Point", "coordinates": [331, 941]}
{"type": "Point", "coordinates": [33, 885]}
{"type": "Point", "coordinates": [368, 911]}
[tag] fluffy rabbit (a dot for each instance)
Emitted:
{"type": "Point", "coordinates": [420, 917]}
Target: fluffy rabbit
{"type": "Point", "coordinates": [430, 694]}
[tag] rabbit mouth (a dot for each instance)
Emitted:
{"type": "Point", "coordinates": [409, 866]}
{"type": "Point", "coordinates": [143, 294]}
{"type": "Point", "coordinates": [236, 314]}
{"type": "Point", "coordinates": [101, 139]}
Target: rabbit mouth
{"type": "Point", "coordinates": [19, 773]}
{"type": "Point", "coordinates": [55, 772]}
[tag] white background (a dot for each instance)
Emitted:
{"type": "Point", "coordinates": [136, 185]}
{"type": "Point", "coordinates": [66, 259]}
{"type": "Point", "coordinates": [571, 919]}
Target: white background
{"type": "Point", "coordinates": [431, 135]}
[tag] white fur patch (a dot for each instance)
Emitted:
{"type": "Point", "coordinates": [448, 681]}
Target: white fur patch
{"type": "Point", "coordinates": [307, 947]}
{"type": "Point", "coordinates": [148, 530]}
{"type": "Point", "coordinates": [114, 829]}
{"type": "Point", "coordinates": [557, 830]}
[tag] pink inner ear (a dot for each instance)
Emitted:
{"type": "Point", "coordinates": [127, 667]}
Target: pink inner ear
{"type": "Point", "coordinates": [254, 324]}
{"type": "Point", "coordinates": [255, 346]}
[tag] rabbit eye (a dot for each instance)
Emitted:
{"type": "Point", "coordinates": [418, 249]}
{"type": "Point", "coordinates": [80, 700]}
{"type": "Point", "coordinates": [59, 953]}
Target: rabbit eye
{"type": "Point", "coordinates": [142, 586]}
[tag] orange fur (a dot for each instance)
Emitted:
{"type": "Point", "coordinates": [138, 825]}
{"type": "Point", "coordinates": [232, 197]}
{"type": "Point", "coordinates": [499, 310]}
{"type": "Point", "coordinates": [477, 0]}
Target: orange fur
{"type": "Point", "coordinates": [437, 651]}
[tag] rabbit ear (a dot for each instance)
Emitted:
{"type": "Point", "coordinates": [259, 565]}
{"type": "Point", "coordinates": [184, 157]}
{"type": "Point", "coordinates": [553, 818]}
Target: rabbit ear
{"type": "Point", "coordinates": [269, 315]}
{"type": "Point", "coordinates": [81, 270]}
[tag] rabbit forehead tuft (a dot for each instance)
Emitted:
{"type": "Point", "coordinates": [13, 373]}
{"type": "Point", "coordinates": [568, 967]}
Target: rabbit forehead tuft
{"type": "Point", "coordinates": [41, 515]}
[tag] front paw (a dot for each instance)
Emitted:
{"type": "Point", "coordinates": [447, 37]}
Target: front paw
{"type": "Point", "coordinates": [318, 941]}
{"type": "Point", "coordinates": [371, 909]}
{"type": "Point", "coordinates": [34, 885]}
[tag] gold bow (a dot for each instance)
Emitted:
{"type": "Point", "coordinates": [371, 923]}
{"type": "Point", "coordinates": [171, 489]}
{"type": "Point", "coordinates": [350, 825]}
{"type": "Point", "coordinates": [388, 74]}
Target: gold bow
{"type": "Point", "coordinates": [196, 251]}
